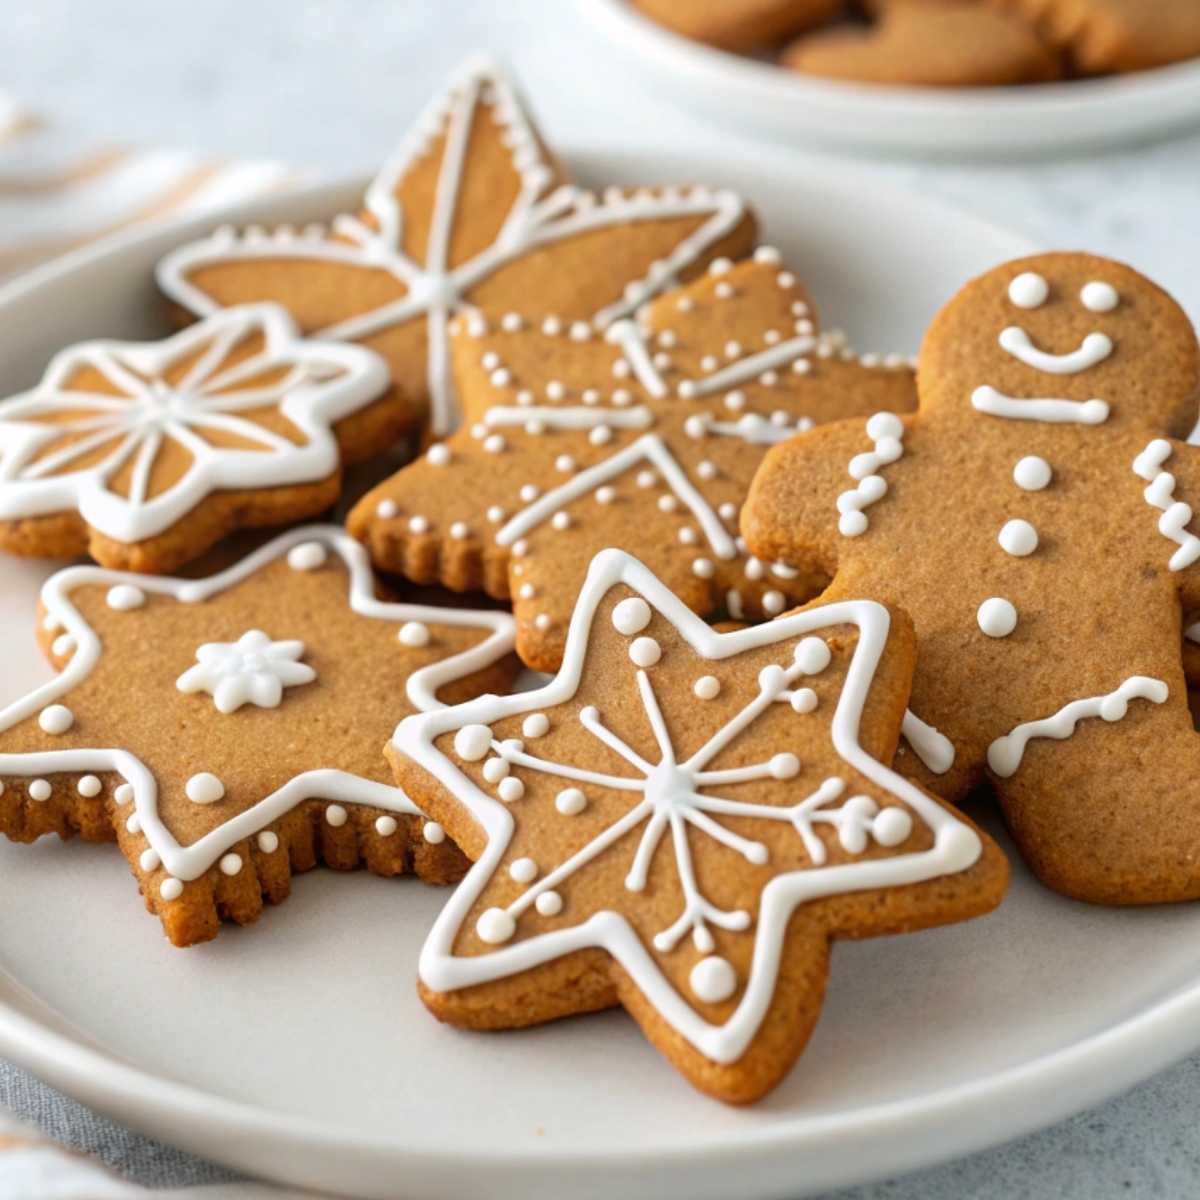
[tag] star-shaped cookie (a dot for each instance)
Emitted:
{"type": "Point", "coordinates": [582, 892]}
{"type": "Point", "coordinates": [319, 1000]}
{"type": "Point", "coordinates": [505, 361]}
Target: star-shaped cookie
{"type": "Point", "coordinates": [227, 730]}
{"type": "Point", "coordinates": [471, 215]}
{"type": "Point", "coordinates": [645, 438]}
{"type": "Point", "coordinates": [681, 821]}
{"type": "Point", "coordinates": [145, 454]}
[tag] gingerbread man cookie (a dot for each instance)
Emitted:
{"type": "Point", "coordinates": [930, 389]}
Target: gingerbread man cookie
{"type": "Point", "coordinates": [226, 731]}
{"type": "Point", "coordinates": [470, 216]}
{"type": "Point", "coordinates": [144, 454]}
{"type": "Point", "coordinates": [680, 821]}
{"type": "Point", "coordinates": [645, 438]}
{"type": "Point", "coordinates": [1033, 519]}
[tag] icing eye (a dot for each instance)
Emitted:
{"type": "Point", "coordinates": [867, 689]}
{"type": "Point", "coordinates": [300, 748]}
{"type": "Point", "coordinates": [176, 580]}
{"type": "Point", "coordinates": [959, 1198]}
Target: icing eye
{"type": "Point", "coordinates": [1099, 297]}
{"type": "Point", "coordinates": [1028, 290]}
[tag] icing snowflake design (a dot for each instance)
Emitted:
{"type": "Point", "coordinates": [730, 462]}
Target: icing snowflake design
{"type": "Point", "coordinates": [252, 670]}
{"type": "Point", "coordinates": [673, 800]}
{"type": "Point", "coordinates": [197, 396]}
{"type": "Point", "coordinates": [434, 288]}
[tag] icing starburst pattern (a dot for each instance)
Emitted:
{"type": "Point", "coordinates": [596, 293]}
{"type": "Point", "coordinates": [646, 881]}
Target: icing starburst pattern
{"type": "Point", "coordinates": [252, 670]}
{"type": "Point", "coordinates": [135, 434]}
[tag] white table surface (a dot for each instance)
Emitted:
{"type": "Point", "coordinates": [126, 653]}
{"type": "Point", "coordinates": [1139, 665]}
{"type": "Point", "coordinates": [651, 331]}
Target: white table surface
{"type": "Point", "coordinates": [332, 83]}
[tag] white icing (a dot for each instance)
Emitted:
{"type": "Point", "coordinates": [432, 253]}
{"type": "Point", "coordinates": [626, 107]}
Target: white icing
{"type": "Point", "coordinates": [414, 634]}
{"type": "Point", "coordinates": [433, 833]}
{"type": "Point", "coordinates": [40, 790]}
{"type": "Point", "coordinates": [1018, 538]}
{"type": "Point", "coordinates": [1032, 473]}
{"type": "Point", "coordinates": [1160, 494]}
{"type": "Point", "coordinates": [645, 651]}
{"type": "Point", "coordinates": [886, 430]}
{"type": "Point", "coordinates": [56, 718]}
{"type": "Point", "coordinates": [712, 979]}
{"type": "Point", "coordinates": [204, 788]}
{"type": "Point", "coordinates": [336, 816]}
{"type": "Point", "coordinates": [252, 670]}
{"type": "Point", "coordinates": [930, 745]}
{"type": "Point", "coordinates": [321, 384]}
{"type": "Point", "coordinates": [230, 864]}
{"type": "Point", "coordinates": [1005, 753]}
{"type": "Point", "coordinates": [1094, 349]}
{"type": "Point", "coordinates": [124, 596]}
{"type": "Point", "coordinates": [267, 841]}
{"type": "Point", "coordinates": [707, 687]}
{"type": "Point", "coordinates": [1028, 290]}
{"type": "Point", "coordinates": [997, 617]}
{"type": "Point", "coordinates": [570, 802]}
{"type": "Point", "coordinates": [988, 400]}
{"type": "Point", "coordinates": [657, 801]}
{"type": "Point", "coordinates": [308, 556]}
{"type": "Point", "coordinates": [1099, 297]}
{"type": "Point", "coordinates": [89, 786]}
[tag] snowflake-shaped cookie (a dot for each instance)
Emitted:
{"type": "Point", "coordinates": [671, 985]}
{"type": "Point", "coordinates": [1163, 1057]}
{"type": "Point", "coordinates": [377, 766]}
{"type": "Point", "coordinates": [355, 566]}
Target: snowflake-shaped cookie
{"type": "Point", "coordinates": [145, 453]}
{"type": "Point", "coordinates": [674, 797]}
{"type": "Point", "coordinates": [220, 759]}
{"type": "Point", "coordinates": [645, 439]}
{"type": "Point", "coordinates": [471, 215]}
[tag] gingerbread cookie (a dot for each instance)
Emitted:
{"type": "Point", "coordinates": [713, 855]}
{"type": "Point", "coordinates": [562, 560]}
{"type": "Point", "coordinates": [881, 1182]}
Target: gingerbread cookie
{"type": "Point", "coordinates": [144, 454]}
{"type": "Point", "coordinates": [1034, 519]}
{"type": "Point", "coordinates": [226, 731]}
{"type": "Point", "coordinates": [645, 439]}
{"type": "Point", "coordinates": [470, 216]}
{"type": "Point", "coordinates": [1102, 36]}
{"type": "Point", "coordinates": [738, 24]}
{"type": "Point", "coordinates": [931, 43]}
{"type": "Point", "coordinates": [680, 822]}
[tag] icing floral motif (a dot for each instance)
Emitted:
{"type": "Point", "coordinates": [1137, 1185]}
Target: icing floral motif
{"type": "Point", "coordinates": [669, 797]}
{"type": "Point", "coordinates": [201, 396]}
{"type": "Point", "coordinates": [252, 670]}
{"type": "Point", "coordinates": [432, 285]}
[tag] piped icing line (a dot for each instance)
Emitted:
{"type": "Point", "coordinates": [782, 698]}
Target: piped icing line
{"type": "Point", "coordinates": [323, 383]}
{"type": "Point", "coordinates": [1160, 494]}
{"type": "Point", "coordinates": [1093, 350]}
{"type": "Point", "coordinates": [886, 430]}
{"type": "Point", "coordinates": [751, 427]}
{"type": "Point", "coordinates": [930, 745]}
{"type": "Point", "coordinates": [955, 847]}
{"type": "Point", "coordinates": [753, 365]}
{"type": "Point", "coordinates": [1005, 753]}
{"type": "Point", "coordinates": [570, 418]}
{"type": "Point", "coordinates": [434, 289]}
{"type": "Point", "coordinates": [987, 399]}
{"type": "Point", "coordinates": [189, 862]}
{"type": "Point", "coordinates": [628, 336]}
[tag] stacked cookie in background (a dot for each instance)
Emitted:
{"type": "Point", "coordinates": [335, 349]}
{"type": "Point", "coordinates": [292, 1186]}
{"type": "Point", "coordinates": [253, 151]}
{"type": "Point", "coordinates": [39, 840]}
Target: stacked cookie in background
{"type": "Point", "coordinates": [945, 43]}
{"type": "Point", "coordinates": [633, 432]}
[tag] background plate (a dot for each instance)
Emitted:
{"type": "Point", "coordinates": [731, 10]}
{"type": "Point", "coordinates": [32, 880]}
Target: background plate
{"type": "Point", "coordinates": [297, 1048]}
{"type": "Point", "coordinates": [767, 101]}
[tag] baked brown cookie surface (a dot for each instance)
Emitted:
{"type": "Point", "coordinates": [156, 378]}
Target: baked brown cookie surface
{"type": "Point", "coordinates": [1033, 517]}
{"type": "Point", "coordinates": [738, 24]}
{"type": "Point", "coordinates": [226, 731]}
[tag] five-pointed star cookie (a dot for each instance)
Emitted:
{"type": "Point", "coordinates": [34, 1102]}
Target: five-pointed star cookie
{"type": "Point", "coordinates": [227, 730]}
{"type": "Point", "coordinates": [645, 439]}
{"type": "Point", "coordinates": [145, 454]}
{"type": "Point", "coordinates": [469, 216]}
{"type": "Point", "coordinates": [681, 821]}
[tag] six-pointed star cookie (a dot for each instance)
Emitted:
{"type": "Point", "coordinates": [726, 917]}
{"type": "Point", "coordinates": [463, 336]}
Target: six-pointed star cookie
{"type": "Point", "coordinates": [645, 439]}
{"type": "Point", "coordinates": [680, 821]}
{"type": "Point", "coordinates": [146, 453]}
{"type": "Point", "coordinates": [470, 216]}
{"type": "Point", "coordinates": [227, 730]}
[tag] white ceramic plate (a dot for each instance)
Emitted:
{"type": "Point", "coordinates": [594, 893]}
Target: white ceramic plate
{"type": "Point", "coordinates": [762, 99]}
{"type": "Point", "coordinates": [297, 1048]}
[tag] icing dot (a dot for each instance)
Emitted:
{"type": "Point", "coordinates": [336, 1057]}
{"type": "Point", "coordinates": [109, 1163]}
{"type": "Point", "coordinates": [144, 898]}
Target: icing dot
{"type": "Point", "coordinates": [494, 443]}
{"type": "Point", "coordinates": [125, 596]}
{"type": "Point", "coordinates": [495, 514]}
{"type": "Point", "coordinates": [386, 826]}
{"type": "Point", "coordinates": [542, 621]}
{"type": "Point", "coordinates": [713, 979]}
{"type": "Point", "coordinates": [57, 718]}
{"type": "Point", "coordinates": [784, 766]}
{"type": "Point", "coordinates": [170, 888]}
{"type": "Point", "coordinates": [1028, 290]}
{"type": "Point", "coordinates": [204, 788]}
{"type": "Point", "coordinates": [336, 815]}
{"type": "Point", "coordinates": [1032, 473]}
{"type": "Point", "coordinates": [386, 509]}
{"type": "Point", "coordinates": [892, 826]}
{"type": "Point", "coordinates": [561, 521]}
{"type": "Point", "coordinates": [529, 493]}
{"type": "Point", "coordinates": [773, 603]}
{"type": "Point", "coordinates": [39, 790]}
{"type": "Point", "coordinates": [124, 793]}
{"type": "Point", "coordinates": [812, 655]}
{"type": "Point", "coordinates": [606, 494]}
{"type": "Point", "coordinates": [570, 802]}
{"type": "Point", "coordinates": [230, 864]}
{"type": "Point", "coordinates": [1099, 297]}
{"type": "Point", "coordinates": [433, 833]}
{"type": "Point", "coordinates": [1018, 538]}
{"type": "Point", "coordinates": [511, 789]}
{"type": "Point", "coordinates": [495, 926]}
{"type": "Point", "coordinates": [133, 823]}
{"type": "Point", "coordinates": [703, 568]}
{"type": "Point", "coordinates": [549, 904]}
{"type": "Point", "coordinates": [523, 870]}
{"type": "Point", "coordinates": [645, 652]}
{"type": "Point", "coordinates": [631, 616]}
{"type": "Point", "coordinates": [459, 530]}
{"type": "Point", "coordinates": [414, 634]}
{"type": "Point", "coordinates": [535, 725]}
{"type": "Point", "coordinates": [495, 770]}
{"type": "Point", "coordinates": [89, 786]}
{"type": "Point", "coordinates": [307, 556]}
{"type": "Point", "coordinates": [268, 842]}
{"type": "Point", "coordinates": [564, 463]}
{"type": "Point", "coordinates": [707, 687]}
{"type": "Point", "coordinates": [472, 742]}
{"type": "Point", "coordinates": [804, 700]}
{"type": "Point", "coordinates": [438, 455]}
{"type": "Point", "coordinates": [418, 524]}
{"type": "Point", "coordinates": [997, 617]}
{"type": "Point", "coordinates": [148, 860]}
